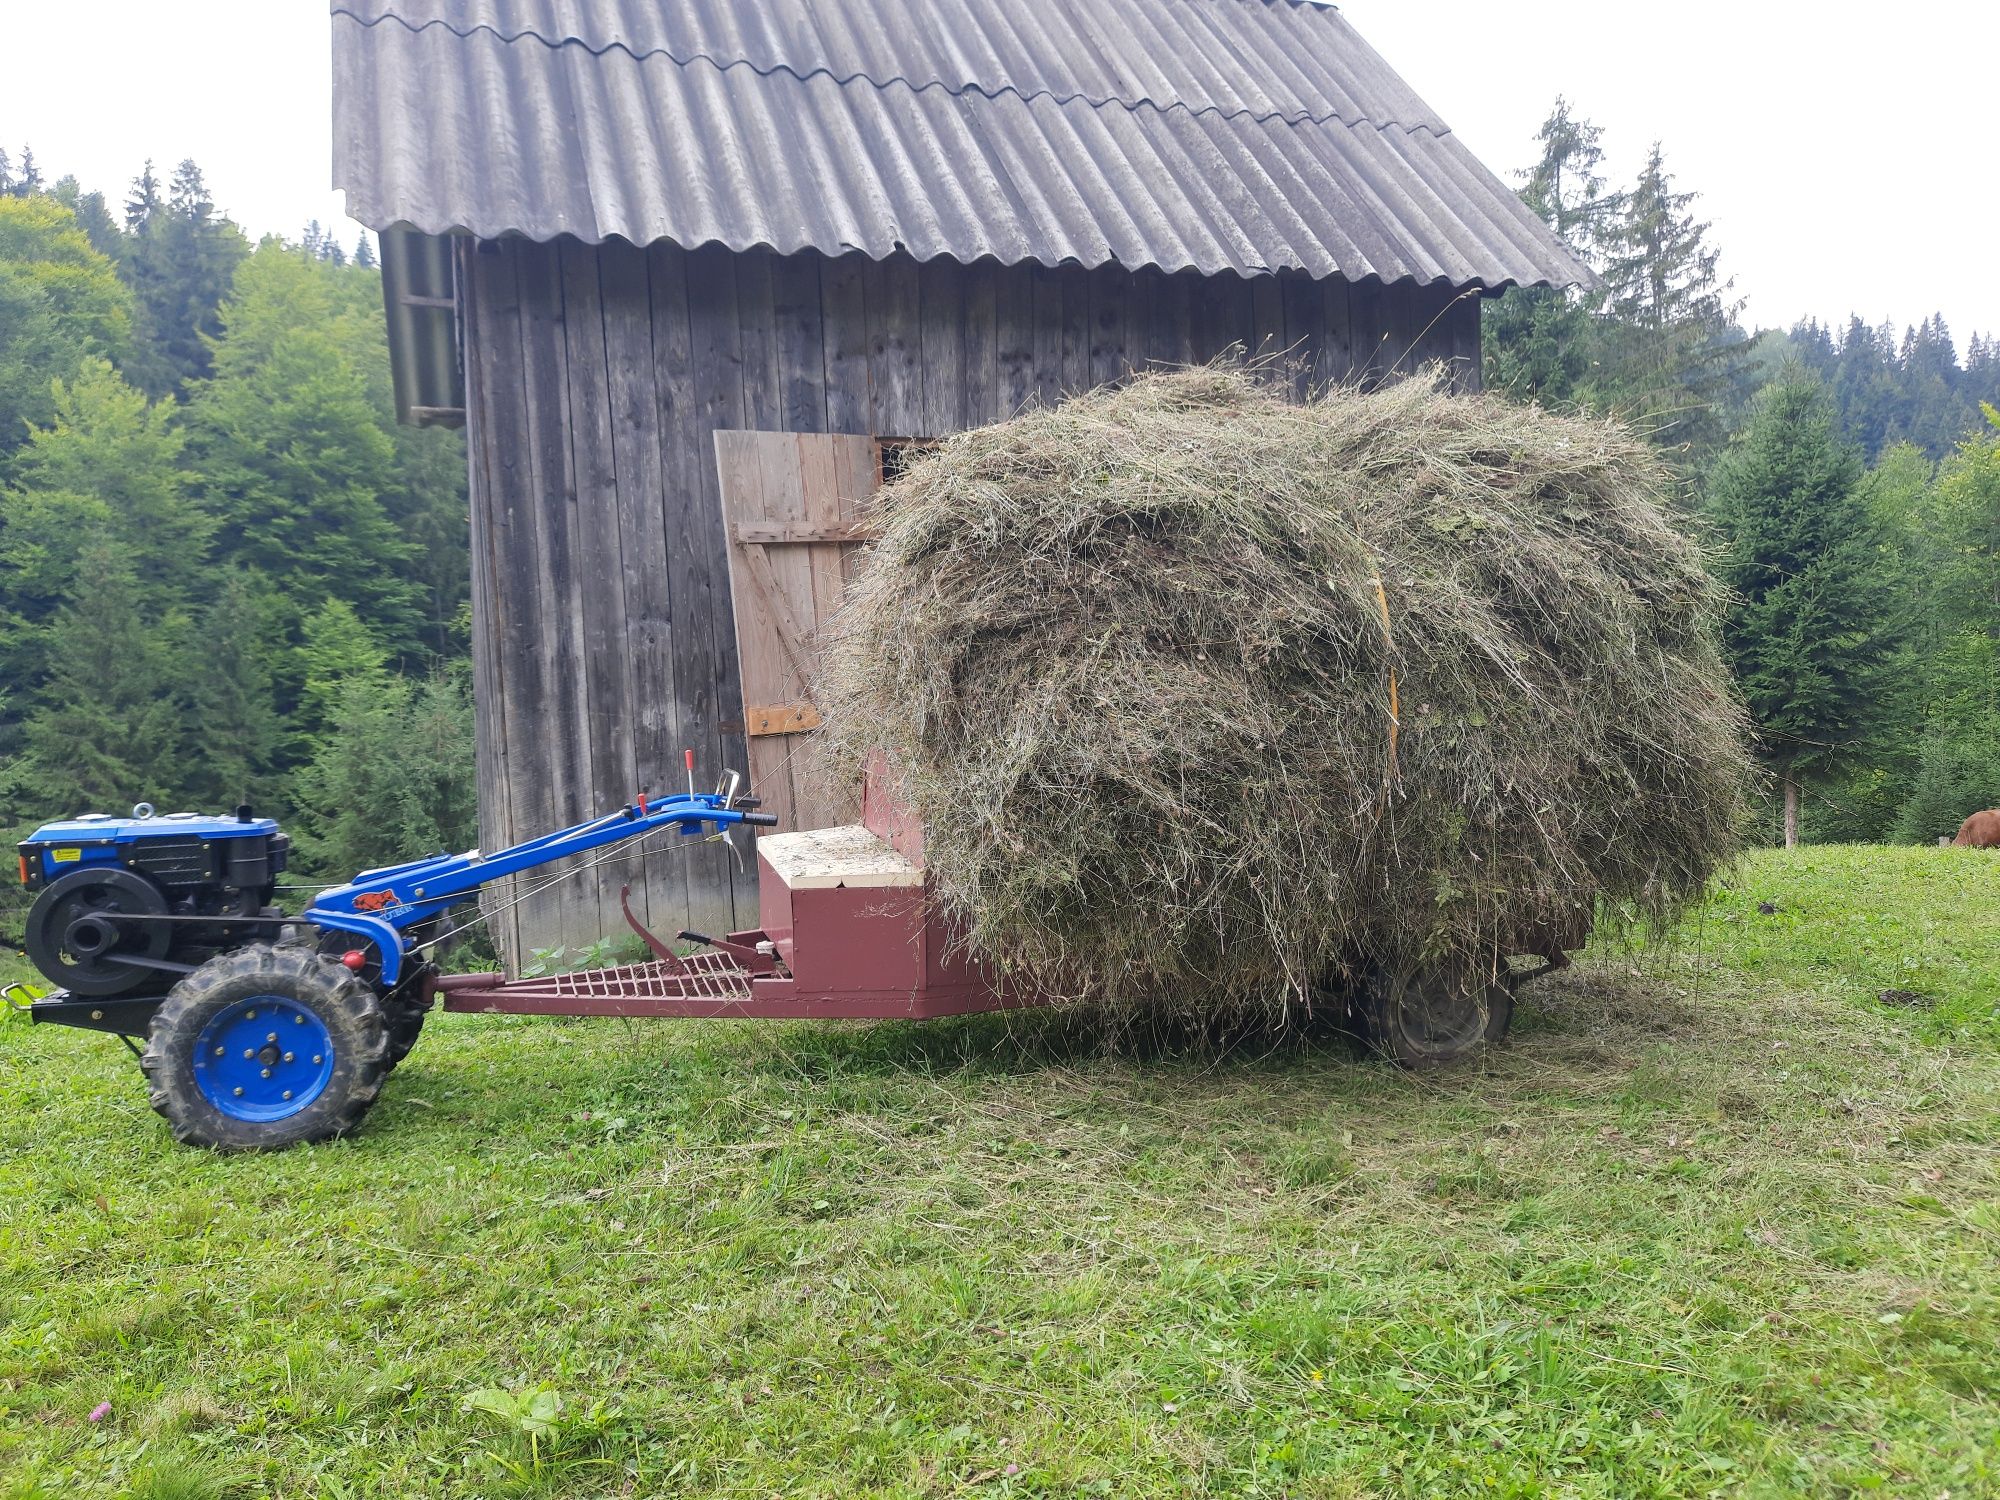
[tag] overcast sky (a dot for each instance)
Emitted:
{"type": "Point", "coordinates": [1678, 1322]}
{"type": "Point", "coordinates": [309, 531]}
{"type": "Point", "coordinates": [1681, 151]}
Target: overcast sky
{"type": "Point", "coordinates": [1846, 155]}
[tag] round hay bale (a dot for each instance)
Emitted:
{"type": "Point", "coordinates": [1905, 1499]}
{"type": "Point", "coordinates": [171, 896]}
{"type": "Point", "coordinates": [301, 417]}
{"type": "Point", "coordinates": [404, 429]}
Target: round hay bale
{"type": "Point", "coordinates": [1205, 699]}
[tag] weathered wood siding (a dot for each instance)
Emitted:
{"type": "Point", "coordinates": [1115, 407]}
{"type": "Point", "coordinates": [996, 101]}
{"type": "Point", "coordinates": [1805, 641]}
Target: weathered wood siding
{"type": "Point", "coordinates": [596, 377]}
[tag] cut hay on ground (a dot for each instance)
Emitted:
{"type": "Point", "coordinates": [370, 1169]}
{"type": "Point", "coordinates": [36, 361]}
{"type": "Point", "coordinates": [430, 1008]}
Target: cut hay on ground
{"type": "Point", "coordinates": [1203, 697]}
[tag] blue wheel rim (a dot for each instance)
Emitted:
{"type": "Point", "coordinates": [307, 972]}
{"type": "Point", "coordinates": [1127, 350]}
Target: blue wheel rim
{"type": "Point", "coordinates": [264, 1058]}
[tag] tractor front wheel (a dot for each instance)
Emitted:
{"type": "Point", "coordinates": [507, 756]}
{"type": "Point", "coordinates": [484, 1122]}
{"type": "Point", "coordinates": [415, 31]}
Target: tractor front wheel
{"type": "Point", "coordinates": [264, 1048]}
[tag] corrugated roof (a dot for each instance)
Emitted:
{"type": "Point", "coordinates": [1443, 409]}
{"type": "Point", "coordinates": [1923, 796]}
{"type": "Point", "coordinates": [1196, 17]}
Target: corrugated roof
{"type": "Point", "coordinates": [1296, 62]}
{"type": "Point", "coordinates": [1218, 135]}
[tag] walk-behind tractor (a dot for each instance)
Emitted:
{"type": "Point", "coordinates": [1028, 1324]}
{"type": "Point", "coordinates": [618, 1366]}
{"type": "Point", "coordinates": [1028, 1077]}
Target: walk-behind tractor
{"type": "Point", "coordinates": [258, 1030]}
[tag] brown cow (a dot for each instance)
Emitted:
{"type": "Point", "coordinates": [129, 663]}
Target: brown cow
{"type": "Point", "coordinates": [1980, 831]}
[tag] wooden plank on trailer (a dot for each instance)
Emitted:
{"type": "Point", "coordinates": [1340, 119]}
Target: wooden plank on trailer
{"type": "Point", "coordinates": [820, 484]}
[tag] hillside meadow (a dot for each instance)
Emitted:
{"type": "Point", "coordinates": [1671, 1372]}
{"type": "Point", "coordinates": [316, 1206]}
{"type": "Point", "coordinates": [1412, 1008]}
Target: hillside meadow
{"type": "Point", "coordinates": [1719, 1220]}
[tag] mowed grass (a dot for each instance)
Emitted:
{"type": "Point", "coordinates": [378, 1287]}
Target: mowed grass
{"type": "Point", "coordinates": [1718, 1221]}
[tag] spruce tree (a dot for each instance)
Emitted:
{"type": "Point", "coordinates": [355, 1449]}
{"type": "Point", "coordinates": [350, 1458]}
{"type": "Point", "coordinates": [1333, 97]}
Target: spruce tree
{"type": "Point", "coordinates": [1806, 634]}
{"type": "Point", "coordinates": [395, 773]}
{"type": "Point", "coordinates": [180, 259]}
{"type": "Point", "coordinates": [109, 728]}
{"type": "Point", "coordinates": [143, 200]}
{"type": "Point", "coordinates": [233, 696]}
{"type": "Point", "coordinates": [337, 654]}
{"type": "Point", "coordinates": [1674, 351]}
{"type": "Point", "coordinates": [1566, 185]}
{"type": "Point", "coordinates": [1539, 341]}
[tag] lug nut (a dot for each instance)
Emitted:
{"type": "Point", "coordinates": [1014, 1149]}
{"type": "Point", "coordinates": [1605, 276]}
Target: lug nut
{"type": "Point", "coordinates": [288, 1057]}
{"type": "Point", "coordinates": [239, 1093]}
{"type": "Point", "coordinates": [249, 1015]}
{"type": "Point", "coordinates": [316, 1060]}
{"type": "Point", "coordinates": [288, 1093]}
{"type": "Point", "coordinates": [266, 1073]}
{"type": "Point", "coordinates": [218, 1052]}
{"type": "Point", "coordinates": [249, 1051]}
{"type": "Point", "coordinates": [272, 1037]}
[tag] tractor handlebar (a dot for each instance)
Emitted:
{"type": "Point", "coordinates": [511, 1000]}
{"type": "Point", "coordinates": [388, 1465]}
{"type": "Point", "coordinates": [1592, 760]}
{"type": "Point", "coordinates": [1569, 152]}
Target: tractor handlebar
{"type": "Point", "coordinates": [761, 819]}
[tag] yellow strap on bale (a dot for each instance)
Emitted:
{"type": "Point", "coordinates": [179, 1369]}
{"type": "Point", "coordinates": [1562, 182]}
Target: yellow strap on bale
{"type": "Point", "coordinates": [1395, 707]}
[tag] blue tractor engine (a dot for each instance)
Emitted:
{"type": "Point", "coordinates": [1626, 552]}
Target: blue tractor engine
{"type": "Point", "coordinates": [124, 907]}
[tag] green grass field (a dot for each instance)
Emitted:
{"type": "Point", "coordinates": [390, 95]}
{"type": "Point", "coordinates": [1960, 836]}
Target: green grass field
{"type": "Point", "coordinates": [1718, 1221]}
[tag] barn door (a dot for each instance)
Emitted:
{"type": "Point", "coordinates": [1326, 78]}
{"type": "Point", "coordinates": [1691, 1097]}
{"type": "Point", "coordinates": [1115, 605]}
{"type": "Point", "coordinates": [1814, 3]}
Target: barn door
{"type": "Point", "coordinates": [791, 505]}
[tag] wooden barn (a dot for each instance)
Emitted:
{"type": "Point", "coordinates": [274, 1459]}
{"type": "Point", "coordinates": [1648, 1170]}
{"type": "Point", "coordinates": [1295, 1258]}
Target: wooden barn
{"type": "Point", "coordinates": [693, 273]}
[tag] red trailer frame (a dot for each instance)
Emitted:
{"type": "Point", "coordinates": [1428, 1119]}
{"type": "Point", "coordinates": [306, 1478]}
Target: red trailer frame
{"type": "Point", "coordinates": [847, 928]}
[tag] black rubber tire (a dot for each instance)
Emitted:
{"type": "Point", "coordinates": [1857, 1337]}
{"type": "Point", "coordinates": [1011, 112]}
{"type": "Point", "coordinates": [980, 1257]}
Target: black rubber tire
{"type": "Point", "coordinates": [1435, 1017]}
{"type": "Point", "coordinates": [351, 1012]}
{"type": "Point", "coordinates": [406, 1024]}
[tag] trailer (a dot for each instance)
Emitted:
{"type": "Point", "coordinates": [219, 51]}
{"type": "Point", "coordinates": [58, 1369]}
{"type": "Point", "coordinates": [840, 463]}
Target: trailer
{"type": "Point", "coordinates": [256, 1030]}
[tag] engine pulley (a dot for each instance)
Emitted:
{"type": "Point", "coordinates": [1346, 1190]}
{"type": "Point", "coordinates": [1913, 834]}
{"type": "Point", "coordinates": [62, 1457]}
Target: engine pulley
{"type": "Point", "coordinates": [84, 923]}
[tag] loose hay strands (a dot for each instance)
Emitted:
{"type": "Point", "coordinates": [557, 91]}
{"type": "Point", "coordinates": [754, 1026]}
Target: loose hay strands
{"type": "Point", "coordinates": [1203, 697]}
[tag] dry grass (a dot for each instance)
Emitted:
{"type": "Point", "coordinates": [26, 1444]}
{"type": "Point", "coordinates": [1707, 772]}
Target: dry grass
{"type": "Point", "coordinates": [1135, 658]}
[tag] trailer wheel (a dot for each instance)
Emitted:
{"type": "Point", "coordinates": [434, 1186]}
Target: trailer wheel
{"type": "Point", "coordinates": [1438, 1015]}
{"type": "Point", "coordinates": [264, 1048]}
